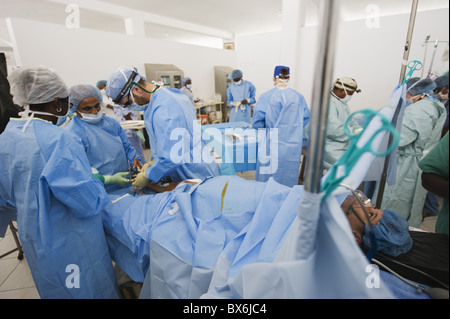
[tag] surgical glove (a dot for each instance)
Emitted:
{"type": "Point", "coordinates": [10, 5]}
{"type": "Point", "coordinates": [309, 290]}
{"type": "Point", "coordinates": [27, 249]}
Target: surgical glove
{"type": "Point", "coordinates": [235, 104]}
{"type": "Point", "coordinates": [141, 179]}
{"type": "Point", "coordinates": [118, 179]}
{"type": "Point", "coordinates": [140, 135]}
{"type": "Point", "coordinates": [147, 165]}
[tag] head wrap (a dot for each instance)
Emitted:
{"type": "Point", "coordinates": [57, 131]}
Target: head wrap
{"type": "Point", "coordinates": [101, 82]}
{"type": "Point", "coordinates": [442, 82]}
{"type": "Point", "coordinates": [80, 92]}
{"type": "Point", "coordinates": [347, 83]}
{"type": "Point", "coordinates": [418, 86]}
{"type": "Point", "coordinates": [186, 79]}
{"type": "Point", "coordinates": [279, 68]}
{"type": "Point", "coordinates": [235, 74]}
{"type": "Point", "coordinates": [392, 234]}
{"type": "Point", "coordinates": [119, 79]}
{"type": "Point", "coordinates": [37, 85]}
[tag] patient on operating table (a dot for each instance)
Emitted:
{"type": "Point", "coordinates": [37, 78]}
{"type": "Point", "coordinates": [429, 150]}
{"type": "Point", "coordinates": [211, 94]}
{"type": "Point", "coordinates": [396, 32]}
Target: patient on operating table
{"type": "Point", "coordinates": [391, 230]}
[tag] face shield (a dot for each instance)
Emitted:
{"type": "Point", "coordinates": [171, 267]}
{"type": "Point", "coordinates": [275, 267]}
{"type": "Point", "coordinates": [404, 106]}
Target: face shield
{"type": "Point", "coordinates": [126, 90]}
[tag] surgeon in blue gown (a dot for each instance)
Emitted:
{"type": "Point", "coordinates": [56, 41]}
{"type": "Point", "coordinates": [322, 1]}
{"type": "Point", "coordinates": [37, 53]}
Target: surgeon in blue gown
{"type": "Point", "coordinates": [107, 146]}
{"type": "Point", "coordinates": [45, 174]}
{"type": "Point", "coordinates": [285, 110]}
{"type": "Point", "coordinates": [240, 97]}
{"type": "Point", "coordinates": [178, 152]}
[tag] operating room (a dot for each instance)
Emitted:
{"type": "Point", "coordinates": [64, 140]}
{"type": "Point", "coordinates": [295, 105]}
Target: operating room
{"type": "Point", "coordinates": [213, 227]}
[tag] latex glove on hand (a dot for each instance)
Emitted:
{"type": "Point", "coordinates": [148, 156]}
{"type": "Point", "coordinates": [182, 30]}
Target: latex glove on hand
{"type": "Point", "coordinates": [118, 179]}
{"type": "Point", "coordinates": [140, 135]}
{"type": "Point", "coordinates": [141, 179]}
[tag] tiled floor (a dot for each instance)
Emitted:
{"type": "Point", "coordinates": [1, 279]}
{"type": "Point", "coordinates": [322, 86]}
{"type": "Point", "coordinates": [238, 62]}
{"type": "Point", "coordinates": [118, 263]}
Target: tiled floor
{"type": "Point", "coordinates": [15, 277]}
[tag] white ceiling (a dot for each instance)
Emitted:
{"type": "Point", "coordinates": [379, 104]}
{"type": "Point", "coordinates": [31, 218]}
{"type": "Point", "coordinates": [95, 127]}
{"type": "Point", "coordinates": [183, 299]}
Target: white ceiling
{"type": "Point", "coordinates": [236, 17]}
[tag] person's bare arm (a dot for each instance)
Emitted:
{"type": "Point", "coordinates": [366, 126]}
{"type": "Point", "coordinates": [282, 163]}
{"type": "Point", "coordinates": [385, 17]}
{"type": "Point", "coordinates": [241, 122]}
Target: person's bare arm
{"type": "Point", "coordinates": [435, 184]}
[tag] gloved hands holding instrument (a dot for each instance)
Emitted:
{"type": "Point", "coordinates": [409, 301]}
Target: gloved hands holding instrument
{"type": "Point", "coordinates": [141, 179]}
{"type": "Point", "coordinates": [118, 178]}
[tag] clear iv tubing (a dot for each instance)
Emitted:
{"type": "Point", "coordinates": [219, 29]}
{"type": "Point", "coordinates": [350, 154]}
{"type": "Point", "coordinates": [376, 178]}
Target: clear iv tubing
{"type": "Point", "coordinates": [419, 288]}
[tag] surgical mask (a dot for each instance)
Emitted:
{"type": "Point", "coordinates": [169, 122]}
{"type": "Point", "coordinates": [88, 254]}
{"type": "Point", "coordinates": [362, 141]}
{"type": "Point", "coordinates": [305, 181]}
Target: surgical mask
{"type": "Point", "coordinates": [28, 113]}
{"type": "Point", "coordinates": [61, 120]}
{"type": "Point", "coordinates": [347, 98]}
{"type": "Point", "coordinates": [91, 118]}
{"type": "Point", "coordinates": [134, 106]}
{"type": "Point", "coordinates": [411, 100]}
{"type": "Point", "coordinates": [137, 108]}
{"type": "Point", "coordinates": [239, 82]}
{"type": "Point", "coordinates": [284, 83]}
{"type": "Point", "coordinates": [189, 86]}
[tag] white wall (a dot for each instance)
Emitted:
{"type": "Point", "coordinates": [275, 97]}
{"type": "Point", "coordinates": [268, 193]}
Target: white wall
{"type": "Point", "coordinates": [84, 56]}
{"type": "Point", "coordinates": [372, 56]}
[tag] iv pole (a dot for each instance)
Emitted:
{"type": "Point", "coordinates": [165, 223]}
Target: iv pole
{"type": "Point", "coordinates": [412, 21]}
{"type": "Point", "coordinates": [321, 93]}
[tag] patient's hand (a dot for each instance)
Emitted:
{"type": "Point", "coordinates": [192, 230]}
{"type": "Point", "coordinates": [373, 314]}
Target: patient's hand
{"type": "Point", "coordinates": [375, 215]}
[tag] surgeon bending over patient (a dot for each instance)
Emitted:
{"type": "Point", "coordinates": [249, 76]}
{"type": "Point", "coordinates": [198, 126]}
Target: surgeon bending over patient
{"type": "Point", "coordinates": [167, 112]}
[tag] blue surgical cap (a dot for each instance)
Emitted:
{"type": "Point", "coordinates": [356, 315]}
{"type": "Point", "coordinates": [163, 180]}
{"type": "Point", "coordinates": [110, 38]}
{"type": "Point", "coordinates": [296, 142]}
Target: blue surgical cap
{"type": "Point", "coordinates": [392, 234]}
{"type": "Point", "coordinates": [101, 82]}
{"type": "Point", "coordinates": [80, 92]}
{"type": "Point", "coordinates": [278, 69]}
{"type": "Point", "coordinates": [118, 79]}
{"type": "Point", "coordinates": [235, 74]}
{"type": "Point", "coordinates": [418, 86]}
{"type": "Point", "coordinates": [185, 80]}
{"type": "Point", "coordinates": [442, 82]}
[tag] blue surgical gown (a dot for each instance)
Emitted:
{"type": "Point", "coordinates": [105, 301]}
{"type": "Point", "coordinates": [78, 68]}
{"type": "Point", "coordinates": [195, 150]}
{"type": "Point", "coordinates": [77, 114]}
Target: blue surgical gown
{"type": "Point", "coordinates": [287, 111]}
{"type": "Point", "coordinates": [336, 141]}
{"type": "Point", "coordinates": [175, 139]}
{"type": "Point", "coordinates": [106, 144]}
{"type": "Point", "coordinates": [45, 174]}
{"type": "Point", "coordinates": [421, 131]}
{"type": "Point", "coordinates": [238, 93]}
